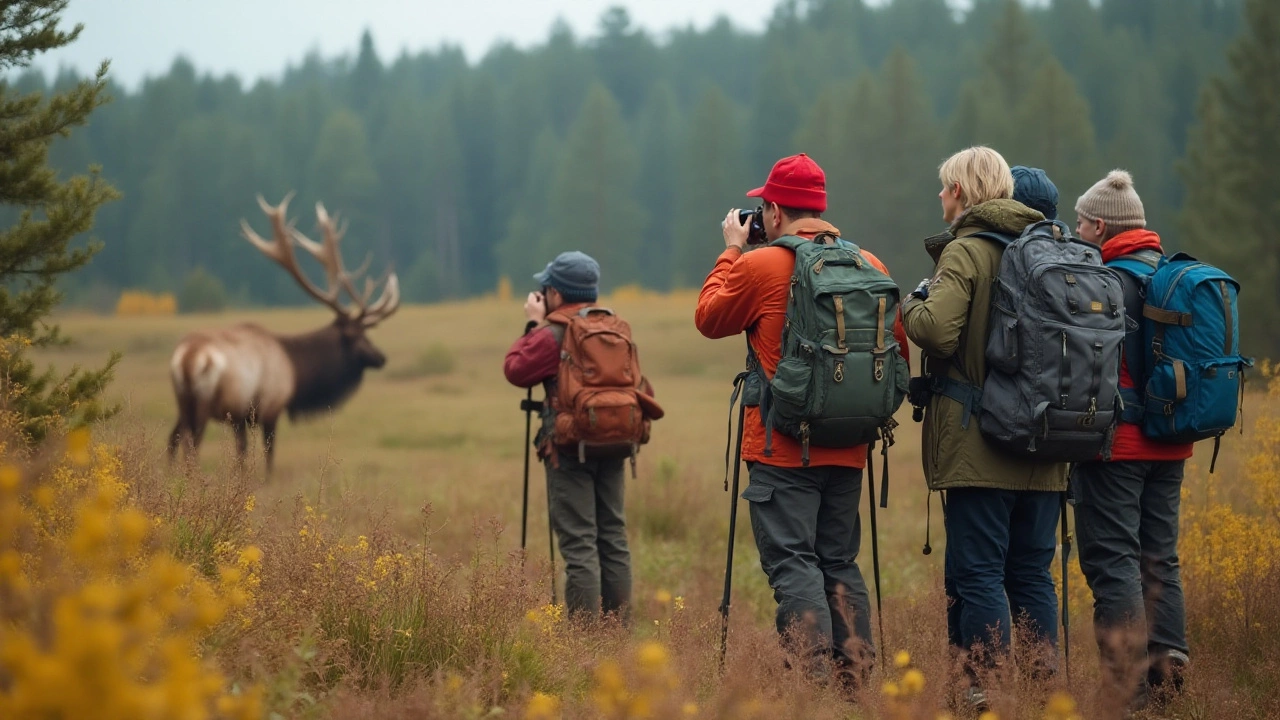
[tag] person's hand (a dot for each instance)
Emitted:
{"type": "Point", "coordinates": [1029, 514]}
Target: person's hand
{"type": "Point", "coordinates": [922, 290]}
{"type": "Point", "coordinates": [535, 307]}
{"type": "Point", "coordinates": [735, 233]}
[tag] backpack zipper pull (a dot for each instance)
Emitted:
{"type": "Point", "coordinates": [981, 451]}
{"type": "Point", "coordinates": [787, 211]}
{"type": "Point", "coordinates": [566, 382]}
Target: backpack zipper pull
{"type": "Point", "coordinates": [839, 374]}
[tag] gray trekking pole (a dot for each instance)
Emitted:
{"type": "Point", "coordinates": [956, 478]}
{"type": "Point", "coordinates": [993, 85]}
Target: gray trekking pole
{"type": "Point", "coordinates": [733, 515]}
{"type": "Point", "coordinates": [1066, 622]}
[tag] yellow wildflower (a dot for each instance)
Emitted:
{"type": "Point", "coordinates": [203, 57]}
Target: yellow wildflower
{"type": "Point", "coordinates": [9, 478]}
{"type": "Point", "coordinates": [542, 707]}
{"type": "Point", "coordinates": [902, 659]}
{"type": "Point", "coordinates": [652, 656]}
{"type": "Point", "coordinates": [912, 682]}
{"type": "Point", "coordinates": [78, 446]}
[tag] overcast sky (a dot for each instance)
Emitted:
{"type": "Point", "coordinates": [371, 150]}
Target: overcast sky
{"type": "Point", "coordinates": [258, 38]}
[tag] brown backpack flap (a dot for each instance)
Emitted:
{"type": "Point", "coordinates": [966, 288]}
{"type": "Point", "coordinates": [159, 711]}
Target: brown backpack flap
{"type": "Point", "coordinates": [599, 400]}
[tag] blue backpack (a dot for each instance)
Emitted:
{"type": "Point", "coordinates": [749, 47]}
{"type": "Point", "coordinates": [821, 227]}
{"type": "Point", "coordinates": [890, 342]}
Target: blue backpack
{"type": "Point", "coordinates": [1184, 356]}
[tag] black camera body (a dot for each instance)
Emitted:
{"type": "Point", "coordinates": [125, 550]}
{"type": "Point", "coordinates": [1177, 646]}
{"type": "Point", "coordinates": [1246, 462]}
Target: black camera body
{"type": "Point", "coordinates": [756, 217]}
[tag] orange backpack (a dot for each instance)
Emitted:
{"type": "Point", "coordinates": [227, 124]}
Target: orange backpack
{"type": "Point", "coordinates": [603, 404]}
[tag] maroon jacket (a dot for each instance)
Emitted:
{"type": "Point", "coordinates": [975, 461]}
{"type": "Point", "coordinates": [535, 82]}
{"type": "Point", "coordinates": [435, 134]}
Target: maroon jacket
{"type": "Point", "coordinates": [535, 356]}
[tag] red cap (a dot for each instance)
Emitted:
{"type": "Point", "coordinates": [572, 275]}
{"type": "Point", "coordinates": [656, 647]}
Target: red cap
{"type": "Point", "coordinates": [795, 182]}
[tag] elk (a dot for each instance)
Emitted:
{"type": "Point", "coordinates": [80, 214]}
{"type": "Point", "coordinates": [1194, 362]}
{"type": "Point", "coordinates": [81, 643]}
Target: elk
{"type": "Point", "coordinates": [244, 374]}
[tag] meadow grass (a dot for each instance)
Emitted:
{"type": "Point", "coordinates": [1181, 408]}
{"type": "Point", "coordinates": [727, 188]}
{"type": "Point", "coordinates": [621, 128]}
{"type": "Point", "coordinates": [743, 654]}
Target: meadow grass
{"type": "Point", "coordinates": [392, 582]}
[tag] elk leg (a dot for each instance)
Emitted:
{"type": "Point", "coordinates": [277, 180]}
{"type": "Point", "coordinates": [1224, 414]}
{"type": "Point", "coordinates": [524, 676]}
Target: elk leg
{"type": "Point", "coordinates": [175, 438]}
{"type": "Point", "coordinates": [269, 442]}
{"type": "Point", "coordinates": [196, 427]}
{"type": "Point", "coordinates": [242, 440]}
{"type": "Point", "coordinates": [184, 428]}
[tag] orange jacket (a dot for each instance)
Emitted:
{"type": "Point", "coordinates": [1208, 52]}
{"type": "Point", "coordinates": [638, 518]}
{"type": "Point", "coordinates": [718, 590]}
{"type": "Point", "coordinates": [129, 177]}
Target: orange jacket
{"type": "Point", "coordinates": [748, 292]}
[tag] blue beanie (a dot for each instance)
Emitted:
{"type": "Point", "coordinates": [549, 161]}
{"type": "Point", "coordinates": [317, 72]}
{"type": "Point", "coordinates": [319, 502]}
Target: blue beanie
{"type": "Point", "coordinates": [1033, 188]}
{"type": "Point", "coordinates": [573, 274]}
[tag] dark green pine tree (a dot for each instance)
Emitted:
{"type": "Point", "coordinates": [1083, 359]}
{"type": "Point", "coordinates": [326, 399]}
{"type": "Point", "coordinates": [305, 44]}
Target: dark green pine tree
{"type": "Point", "coordinates": [712, 180]}
{"type": "Point", "coordinates": [1232, 172]}
{"type": "Point", "coordinates": [520, 252]}
{"type": "Point", "coordinates": [659, 132]}
{"type": "Point", "coordinates": [592, 206]}
{"type": "Point", "coordinates": [1052, 130]}
{"type": "Point", "coordinates": [51, 211]}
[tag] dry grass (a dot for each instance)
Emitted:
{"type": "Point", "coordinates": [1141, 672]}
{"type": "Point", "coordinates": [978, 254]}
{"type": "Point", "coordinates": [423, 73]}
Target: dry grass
{"type": "Point", "coordinates": [392, 582]}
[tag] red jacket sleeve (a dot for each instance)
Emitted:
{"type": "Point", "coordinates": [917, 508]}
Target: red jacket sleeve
{"type": "Point", "coordinates": [533, 358]}
{"type": "Point", "coordinates": [727, 304]}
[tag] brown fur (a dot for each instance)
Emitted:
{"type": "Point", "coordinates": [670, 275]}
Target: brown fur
{"type": "Point", "coordinates": [245, 375]}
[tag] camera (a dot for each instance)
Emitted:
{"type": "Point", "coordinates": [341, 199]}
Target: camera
{"type": "Point", "coordinates": [756, 218]}
{"type": "Point", "coordinates": [919, 393]}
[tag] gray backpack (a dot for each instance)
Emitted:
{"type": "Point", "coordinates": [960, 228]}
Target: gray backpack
{"type": "Point", "coordinates": [1053, 348]}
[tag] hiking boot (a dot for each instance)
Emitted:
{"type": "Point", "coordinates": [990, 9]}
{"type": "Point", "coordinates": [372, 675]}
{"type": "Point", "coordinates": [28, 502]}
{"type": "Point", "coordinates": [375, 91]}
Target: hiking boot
{"type": "Point", "coordinates": [972, 702]}
{"type": "Point", "coordinates": [975, 698]}
{"type": "Point", "coordinates": [1166, 674]}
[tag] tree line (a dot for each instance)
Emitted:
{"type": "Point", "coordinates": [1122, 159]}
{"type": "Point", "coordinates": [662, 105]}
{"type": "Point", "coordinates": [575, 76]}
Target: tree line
{"type": "Point", "coordinates": [631, 147]}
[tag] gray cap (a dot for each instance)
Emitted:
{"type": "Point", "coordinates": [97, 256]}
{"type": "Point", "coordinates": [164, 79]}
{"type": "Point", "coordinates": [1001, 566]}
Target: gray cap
{"type": "Point", "coordinates": [575, 275]}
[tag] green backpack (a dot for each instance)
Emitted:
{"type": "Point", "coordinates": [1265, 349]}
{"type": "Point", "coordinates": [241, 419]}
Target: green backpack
{"type": "Point", "coordinates": [841, 377]}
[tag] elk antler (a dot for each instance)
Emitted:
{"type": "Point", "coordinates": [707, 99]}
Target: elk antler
{"type": "Point", "coordinates": [326, 252]}
{"type": "Point", "coordinates": [280, 249]}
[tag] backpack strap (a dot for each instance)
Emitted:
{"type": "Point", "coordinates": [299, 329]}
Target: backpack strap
{"type": "Point", "coordinates": [1001, 239]}
{"type": "Point", "coordinates": [1136, 269]}
{"type": "Point", "coordinates": [969, 396]}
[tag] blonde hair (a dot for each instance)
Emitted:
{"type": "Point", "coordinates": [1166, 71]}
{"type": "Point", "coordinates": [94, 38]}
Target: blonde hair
{"type": "Point", "coordinates": [981, 173]}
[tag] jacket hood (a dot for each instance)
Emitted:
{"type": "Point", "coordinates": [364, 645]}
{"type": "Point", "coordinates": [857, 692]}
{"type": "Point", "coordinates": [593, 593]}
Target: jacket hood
{"type": "Point", "coordinates": [1005, 216]}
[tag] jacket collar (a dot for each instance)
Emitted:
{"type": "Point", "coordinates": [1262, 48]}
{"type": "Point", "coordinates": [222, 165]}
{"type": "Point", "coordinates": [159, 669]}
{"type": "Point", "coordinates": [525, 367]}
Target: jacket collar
{"type": "Point", "coordinates": [809, 227]}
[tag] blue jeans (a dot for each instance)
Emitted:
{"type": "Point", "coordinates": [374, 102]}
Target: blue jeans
{"type": "Point", "coordinates": [1000, 545]}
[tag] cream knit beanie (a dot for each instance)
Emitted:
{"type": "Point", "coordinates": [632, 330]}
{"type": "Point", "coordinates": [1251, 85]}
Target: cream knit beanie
{"type": "Point", "coordinates": [1114, 201]}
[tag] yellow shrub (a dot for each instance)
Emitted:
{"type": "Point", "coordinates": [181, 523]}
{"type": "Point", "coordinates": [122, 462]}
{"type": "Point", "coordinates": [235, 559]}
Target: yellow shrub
{"type": "Point", "coordinates": [100, 619]}
{"type": "Point", "coordinates": [1234, 547]}
{"type": "Point", "coordinates": [138, 302]}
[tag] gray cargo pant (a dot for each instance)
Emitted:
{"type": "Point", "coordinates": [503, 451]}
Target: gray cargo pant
{"type": "Point", "coordinates": [1127, 523]}
{"type": "Point", "coordinates": [587, 516]}
{"type": "Point", "coordinates": [808, 531]}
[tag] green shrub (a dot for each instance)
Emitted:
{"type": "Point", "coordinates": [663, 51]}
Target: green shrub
{"type": "Point", "coordinates": [202, 292]}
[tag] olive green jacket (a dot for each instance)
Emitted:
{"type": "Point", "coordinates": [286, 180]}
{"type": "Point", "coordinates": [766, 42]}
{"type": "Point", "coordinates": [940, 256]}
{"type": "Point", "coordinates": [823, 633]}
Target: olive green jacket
{"type": "Point", "coordinates": [950, 327]}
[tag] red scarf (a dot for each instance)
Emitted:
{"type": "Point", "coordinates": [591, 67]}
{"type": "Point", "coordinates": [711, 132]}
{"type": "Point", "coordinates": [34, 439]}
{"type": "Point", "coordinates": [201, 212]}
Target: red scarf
{"type": "Point", "coordinates": [1128, 242]}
